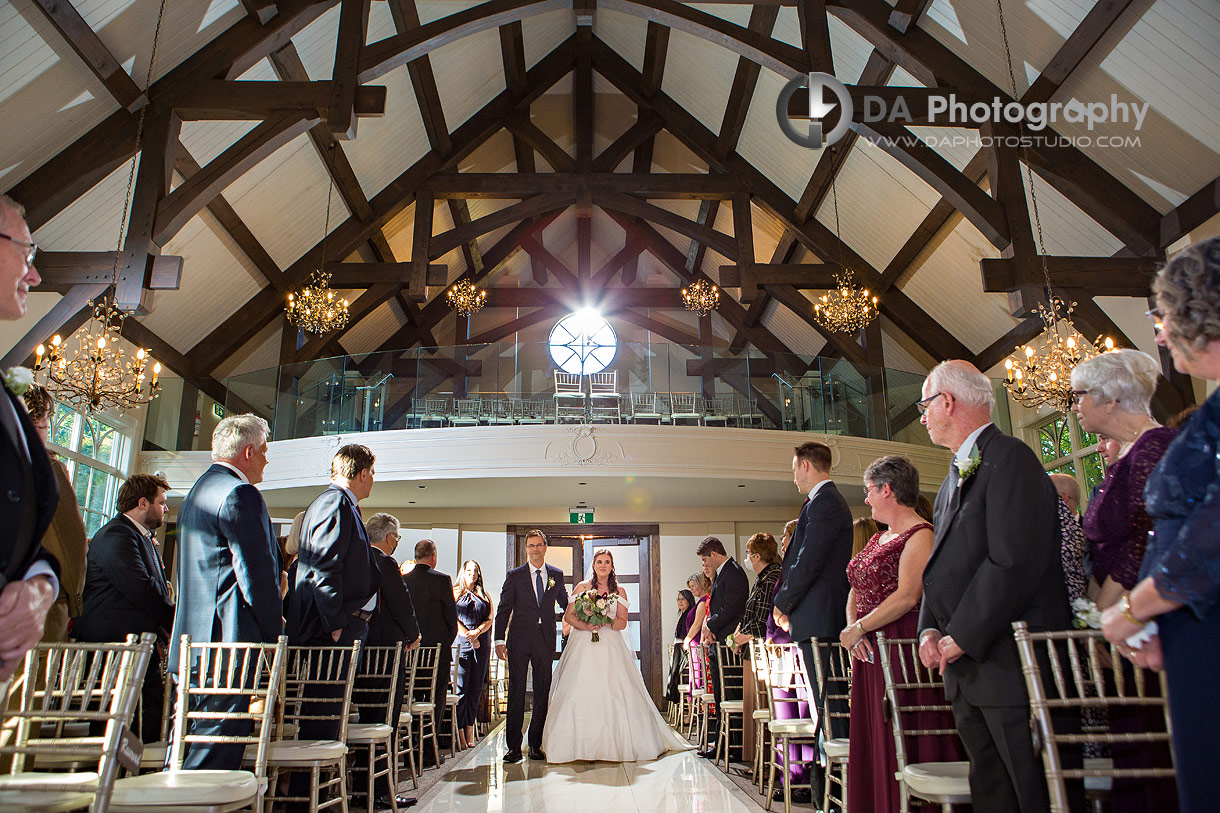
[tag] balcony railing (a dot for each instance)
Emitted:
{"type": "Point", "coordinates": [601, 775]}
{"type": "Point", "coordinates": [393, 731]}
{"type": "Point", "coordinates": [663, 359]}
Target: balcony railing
{"type": "Point", "coordinates": [508, 384]}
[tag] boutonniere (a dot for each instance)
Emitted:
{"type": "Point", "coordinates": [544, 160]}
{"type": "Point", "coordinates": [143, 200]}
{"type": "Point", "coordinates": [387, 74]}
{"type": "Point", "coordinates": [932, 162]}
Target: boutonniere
{"type": "Point", "coordinates": [969, 466]}
{"type": "Point", "coordinates": [550, 582]}
{"type": "Point", "coordinates": [18, 380]}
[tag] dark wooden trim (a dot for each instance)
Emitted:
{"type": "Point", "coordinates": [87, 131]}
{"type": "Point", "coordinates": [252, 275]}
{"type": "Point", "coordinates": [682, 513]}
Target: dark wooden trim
{"type": "Point", "coordinates": [93, 52]}
{"type": "Point", "coordinates": [1082, 44]}
{"type": "Point", "coordinates": [441, 244]}
{"type": "Point", "coordinates": [1190, 214]}
{"type": "Point", "coordinates": [224, 100]}
{"type": "Point", "coordinates": [353, 26]}
{"type": "Point", "coordinates": [1100, 276]}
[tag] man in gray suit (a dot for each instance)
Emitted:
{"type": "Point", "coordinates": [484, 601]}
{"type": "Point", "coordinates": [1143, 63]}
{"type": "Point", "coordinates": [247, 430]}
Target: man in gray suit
{"type": "Point", "coordinates": [228, 568]}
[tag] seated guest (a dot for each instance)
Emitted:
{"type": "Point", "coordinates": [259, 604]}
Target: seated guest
{"type": "Point", "coordinates": [862, 529]}
{"type": "Point", "coordinates": [1112, 393]}
{"type": "Point", "coordinates": [886, 585]}
{"type": "Point", "coordinates": [763, 555]}
{"type": "Point", "coordinates": [393, 624]}
{"type": "Point", "coordinates": [126, 591]}
{"type": "Point", "coordinates": [475, 619]}
{"type": "Point", "coordinates": [1071, 536]}
{"type": "Point", "coordinates": [1179, 581]}
{"type": "Point", "coordinates": [65, 538]}
{"type": "Point", "coordinates": [677, 665]}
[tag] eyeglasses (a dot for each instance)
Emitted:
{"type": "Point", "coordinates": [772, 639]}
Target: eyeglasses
{"type": "Point", "coordinates": [1078, 396]}
{"type": "Point", "coordinates": [752, 555]}
{"type": "Point", "coordinates": [923, 403]}
{"type": "Point", "coordinates": [31, 248]}
{"type": "Point", "coordinates": [868, 489]}
{"type": "Point", "coordinates": [1157, 318]}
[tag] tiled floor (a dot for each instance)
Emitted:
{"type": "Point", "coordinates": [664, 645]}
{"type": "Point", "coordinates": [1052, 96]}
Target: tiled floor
{"type": "Point", "coordinates": [676, 783]}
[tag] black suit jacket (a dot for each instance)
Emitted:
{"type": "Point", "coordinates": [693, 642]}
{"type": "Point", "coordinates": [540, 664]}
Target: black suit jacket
{"type": "Point", "coordinates": [228, 564]}
{"type": "Point", "coordinates": [29, 493]}
{"type": "Point", "coordinates": [435, 609]}
{"type": "Point", "coordinates": [519, 616]}
{"type": "Point", "coordinates": [394, 622]}
{"type": "Point", "coordinates": [125, 588]}
{"type": "Point", "coordinates": [336, 572]}
{"type": "Point", "coordinates": [728, 602]}
{"type": "Point", "coordinates": [996, 560]}
{"type": "Point", "coordinates": [814, 590]}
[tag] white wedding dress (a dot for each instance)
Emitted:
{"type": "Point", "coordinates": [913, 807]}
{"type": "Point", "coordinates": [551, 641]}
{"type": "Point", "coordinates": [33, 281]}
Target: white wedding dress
{"type": "Point", "coordinates": [600, 708]}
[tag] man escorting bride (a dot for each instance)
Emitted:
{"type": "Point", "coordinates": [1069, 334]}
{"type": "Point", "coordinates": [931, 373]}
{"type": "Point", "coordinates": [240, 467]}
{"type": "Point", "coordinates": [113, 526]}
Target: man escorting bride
{"type": "Point", "coordinates": [623, 724]}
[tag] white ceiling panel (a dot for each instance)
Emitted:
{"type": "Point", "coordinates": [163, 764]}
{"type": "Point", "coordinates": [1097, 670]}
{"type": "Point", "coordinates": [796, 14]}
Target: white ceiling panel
{"type": "Point", "coordinates": [544, 32]}
{"type": "Point", "coordinates": [698, 75]}
{"type": "Point", "coordinates": [92, 221]}
{"type": "Point", "coordinates": [463, 91]}
{"type": "Point", "coordinates": [625, 33]}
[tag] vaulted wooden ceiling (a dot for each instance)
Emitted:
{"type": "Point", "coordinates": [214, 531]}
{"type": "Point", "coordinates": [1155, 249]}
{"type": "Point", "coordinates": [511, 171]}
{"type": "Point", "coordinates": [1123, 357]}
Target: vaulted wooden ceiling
{"type": "Point", "coordinates": [562, 151]}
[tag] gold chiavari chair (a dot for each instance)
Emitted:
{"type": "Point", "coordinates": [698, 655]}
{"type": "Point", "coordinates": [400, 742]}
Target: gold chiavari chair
{"type": "Point", "coordinates": [65, 684]}
{"type": "Point", "coordinates": [702, 698]}
{"type": "Point", "coordinates": [730, 671]}
{"type": "Point", "coordinates": [758, 677]}
{"type": "Point", "coordinates": [787, 688]}
{"type": "Point", "coordinates": [423, 709]}
{"type": "Point", "coordinates": [942, 783]}
{"type": "Point", "coordinates": [250, 674]}
{"type": "Point", "coordinates": [405, 746]}
{"type": "Point", "coordinates": [318, 683]}
{"type": "Point", "coordinates": [377, 681]}
{"type": "Point", "coordinates": [1086, 672]}
{"type": "Point", "coordinates": [836, 686]}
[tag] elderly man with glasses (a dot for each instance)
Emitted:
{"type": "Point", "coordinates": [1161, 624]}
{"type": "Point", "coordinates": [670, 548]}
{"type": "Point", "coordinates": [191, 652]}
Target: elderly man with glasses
{"type": "Point", "coordinates": [29, 493]}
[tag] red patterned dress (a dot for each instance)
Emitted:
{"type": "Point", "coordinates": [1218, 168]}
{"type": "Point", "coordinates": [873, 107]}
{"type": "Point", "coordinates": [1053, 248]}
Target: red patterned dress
{"type": "Point", "coordinates": [873, 575]}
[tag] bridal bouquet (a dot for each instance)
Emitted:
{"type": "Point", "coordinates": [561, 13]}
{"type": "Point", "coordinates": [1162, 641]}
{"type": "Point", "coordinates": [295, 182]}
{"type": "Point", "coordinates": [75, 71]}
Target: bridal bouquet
{"type": "Point", "coordinates": [595, 609]}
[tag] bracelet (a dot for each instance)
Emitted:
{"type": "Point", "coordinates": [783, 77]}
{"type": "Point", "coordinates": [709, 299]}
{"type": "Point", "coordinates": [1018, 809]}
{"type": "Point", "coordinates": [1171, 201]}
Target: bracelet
{"type": "Point", "coordinates": [860, 628]}
{"type": "Point", "coordinates": [1124, 605]}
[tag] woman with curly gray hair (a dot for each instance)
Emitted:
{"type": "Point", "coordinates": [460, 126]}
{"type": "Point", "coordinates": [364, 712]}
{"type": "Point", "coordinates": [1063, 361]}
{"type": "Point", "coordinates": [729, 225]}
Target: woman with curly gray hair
{"type": "Point", "coordinates": [1179, 584]}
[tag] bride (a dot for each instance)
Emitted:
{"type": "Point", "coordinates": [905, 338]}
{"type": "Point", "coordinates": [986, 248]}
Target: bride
{"type": "Point", "coordinates": [622, 724]}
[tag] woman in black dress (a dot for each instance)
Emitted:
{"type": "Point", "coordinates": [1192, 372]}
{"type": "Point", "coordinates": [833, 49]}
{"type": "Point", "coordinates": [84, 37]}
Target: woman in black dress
{"type": "Point", "coordinates": [474, 614]}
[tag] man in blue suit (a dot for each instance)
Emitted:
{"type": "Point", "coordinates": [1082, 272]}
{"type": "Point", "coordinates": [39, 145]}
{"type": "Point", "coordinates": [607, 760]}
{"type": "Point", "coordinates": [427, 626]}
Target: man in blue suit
{"type": "Point", "coordinates": [337, 575]}
{"type": "Point", "coordinates": [29, 493]}
{"type": "Point", "coordinates": [527, 616]}
{"type": "Point", "coordinates": [228, 569]}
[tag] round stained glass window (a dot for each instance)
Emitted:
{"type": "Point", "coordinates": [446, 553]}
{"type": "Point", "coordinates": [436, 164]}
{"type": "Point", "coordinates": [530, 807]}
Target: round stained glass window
{"type": "Point", "coordinates": [583, 343]}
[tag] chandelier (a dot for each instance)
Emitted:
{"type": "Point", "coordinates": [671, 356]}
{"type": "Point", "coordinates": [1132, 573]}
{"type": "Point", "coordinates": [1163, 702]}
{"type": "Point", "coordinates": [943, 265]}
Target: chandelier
{"type": "Point", "coordinates": [315, 307]}
{"type": "Point", "coordinates": [465, 298]}
{"type": "Point", "coordinates": [95, 373]}
{"type": "Point", "coordinates": [1036, 377]}
{"type": "Point", "coordinates": [847, 308]}
{"type": "Point", "coordinates": [1044, 376]}
{"type": "Point", "coordinates": [701, 297]}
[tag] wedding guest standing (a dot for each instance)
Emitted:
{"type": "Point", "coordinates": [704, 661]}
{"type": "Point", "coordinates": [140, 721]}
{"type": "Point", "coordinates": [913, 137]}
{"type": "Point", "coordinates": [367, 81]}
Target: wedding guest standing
{"type": "Point", "coordinates": [65, 538]}
{"type": "Point", "coordinates": [677, 663]}
{"type": "Point", "coordinates": [800, 755]}
{"type": "Point", "coordinates": [1111, 395]}
{"type": "Point", "coordinates": [862, 530]}
{"type": "Point", "coordinates": [432, 594]}
{"type": "Point", "coordinates": [474, 622]}
{"type": "Point", "coordinates": [727, 605]}
{"type": "Point", "coordinates": [995, 561]}
{"type": "Point", "coordinates": [1073, 551]}
{"type": "Point", "coordinates": [763, 555]}
{"type": "Point", "coordinates": [701, 588]}
{"type": "Point", "coordinates": [886, 585]}
{"type": "Point", "coordinates": [1179, 581]}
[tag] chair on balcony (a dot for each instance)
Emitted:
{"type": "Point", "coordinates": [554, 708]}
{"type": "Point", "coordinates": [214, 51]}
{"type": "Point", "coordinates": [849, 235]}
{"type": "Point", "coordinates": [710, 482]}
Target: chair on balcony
{"type": "Point", "coordinates": [604, 402]}
{"type": "Point", "coordinates": [748, 414]}
{"type": "Point", "coordinates": [646, 408]}
{"type": "Point", "coordinates": [570, 398]}
{"type": "Point", "coordinates": [498, 411]}
{"type": "Point", "coordinates": [534, 410]}
{"type": "Point", "coordinates": [466, 412]}
{"type": "Point", "coordinates": [685, 407]}
{"type": "Point", "coordinates": [719, 411]}
{"type": "Point", "coordinates": [433, 413]}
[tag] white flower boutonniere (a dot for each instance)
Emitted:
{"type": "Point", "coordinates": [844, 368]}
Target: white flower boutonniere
{"type": "Point", "coordinates": [18, 380]}
{"type": "Point", "coordinates": [550, 582]}
{"type": "Point", "coordinates": [969, 466]}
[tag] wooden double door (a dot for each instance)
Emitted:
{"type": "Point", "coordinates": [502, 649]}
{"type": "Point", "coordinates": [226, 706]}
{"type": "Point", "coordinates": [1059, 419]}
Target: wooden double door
{"type": "Point", "coordinates": [637, 568]}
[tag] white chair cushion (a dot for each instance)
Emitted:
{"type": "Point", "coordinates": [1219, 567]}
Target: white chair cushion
{"type": "Point", "coordinates": [302, 753]}
{"type": "Point", "coordinates": [181, 789]}
{"type": "Point", "coordinates": [733, 706]}
{"type": "Point", "coordinates": [154, 754]}
{"type": "Point", "coordinates": [44, 801]}
{"type": "Point", "coordinates": [762, 714]}
{"type": "Point", "coordinates": [795, 728]}
{"type": "Point", "coordinates": [1098, 783]}
{"type": "Point", "coordinates": [935, 779]}
{"type": "Point", "coordinates": [451, 699]}
{"type": "Point", "coordinates": [422, 708]}
{"type": "Point", "coordinates": [368, 732]}
{"type": "Point", "coordinates": [683, 688]}
{"type": "Point", "coordinates": [85, 780]}
{"type": "Point", "coordinates": [837, 749]}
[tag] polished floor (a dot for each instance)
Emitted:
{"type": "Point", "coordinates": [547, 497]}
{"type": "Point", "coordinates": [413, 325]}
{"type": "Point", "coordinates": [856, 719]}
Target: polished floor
{"type": "Point", "coordinates": [678, 782]}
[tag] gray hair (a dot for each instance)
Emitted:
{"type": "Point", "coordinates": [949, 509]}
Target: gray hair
{"type": "Point", "coordinates": [425, 549]}
{"type": "Point", "coordinates": [963, 381]}
{"type": "Point", "coordinates": [8, 203]}
{"type": "Point", "coordinates": [899, 474]}
{"type": "Point", "coordinates": [235, 433]}
{"type": "Point", "coordinates": [379, 526]}
{"type": "Point", "coordinates": [1127, 377]}
{"type": "Point", "coordinates": [1188, 290]}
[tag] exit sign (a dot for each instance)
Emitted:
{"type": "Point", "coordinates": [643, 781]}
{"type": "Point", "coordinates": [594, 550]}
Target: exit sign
{"type": "Point", "coordinates": [582, 516]}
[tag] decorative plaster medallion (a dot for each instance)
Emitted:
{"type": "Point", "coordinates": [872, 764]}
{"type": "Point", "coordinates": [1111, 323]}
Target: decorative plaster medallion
{"type": "Point", "coordinates": [583, 449]}
{"type": "Point", "coordinates": [321, 462]}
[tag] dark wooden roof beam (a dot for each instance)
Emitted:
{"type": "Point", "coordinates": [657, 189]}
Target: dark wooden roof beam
{"type": "Point", "coordinates": [519, 125]}
{"type": "Point", "coordinates": [629, 205]}
{"type": "Point", "coordinates": [223, 100]}
{"type": "Point", "coordinates": [518, 186]}
{"type": "Point", "coordinates": [353, 28]}
{"type": "Point", "coordinates": [443, 243]}
{"type": "Point", "coordinates": [63, 270]}
{"type": "Point", "coordinates": [93, 52]}
{"type": "Point", "coordinates": [1100, 276]}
